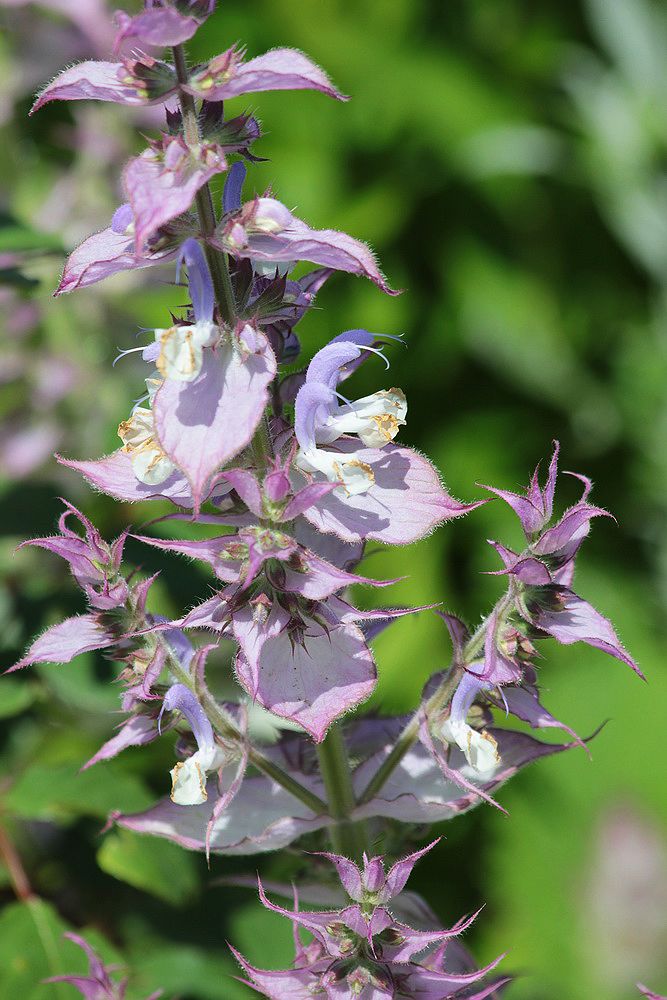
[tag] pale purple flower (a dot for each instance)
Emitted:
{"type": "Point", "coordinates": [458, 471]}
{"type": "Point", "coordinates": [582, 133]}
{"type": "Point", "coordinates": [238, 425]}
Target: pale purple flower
{"type": "Point", "coordinates": [148, 81]}
{"type": "Point", "coordinates": [321, 417]}
{"type": "Point", "coordinates": [288, 566]}
{"type": "Point", "coordinates": [264, 230]}
{"type": "Point", "coordinates": [405, 501]}
{"type": "Point", "coordinates": [543, 574]}
{"type": "Point", "coordinates": [112, 251]}
{"type": "Point", "coordinates": [133, 82]}
{"type": "Point", "coordinates": [233, 189]}
{"type": "Point", "coordinates": [228, 75]}
{"type": "Point", "coordinates": [115, 475]}
{"type": "Point", "coordinates": [136, 731]}
{"type": "Point", "coordinates": [361, 950]}
{"type": "Point", "coordinates": [163, 23]}
{"type": "Point", "coordinates": [265, 817]}
{"type": "Point", "coordinates": [372, 883]}
{"type": "Point", "coordinates": [95, 564]}
{"type": "Point", "coordinates": [162, 182]}
{"type": "Point", "coordinates": [62, 642]}
{"type": "Point", "coordinates": [189, 776]}
{"type": "Point", "coordinates": [203, 424]}
{"type": "Point", "coordinates": [180, 349]}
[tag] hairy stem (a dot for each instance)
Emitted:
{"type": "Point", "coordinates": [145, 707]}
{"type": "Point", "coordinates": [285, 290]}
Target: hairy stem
{"type": "Point", "coordinates": [217, 261]}
{"type": "Point", "coordinates": [347, 837]}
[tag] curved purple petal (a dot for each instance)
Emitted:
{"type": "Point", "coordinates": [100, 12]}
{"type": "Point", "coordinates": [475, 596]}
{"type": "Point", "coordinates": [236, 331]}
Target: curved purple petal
{"type": "Point", "coordinates": [280, 69]}
{"type": "Point", "coordinates": [135, 732]}
{"type": "Point", "coordinates": [526, 705]}
{"type": "Point", "coordinates": [93, 80]}
{"type": "Point", "coordinates": [261, 817]}
{"type": "Point", "coordinates": [314, 678]}
{"type": "Point", "coordinates": [417, 792]}
{"type": "Point", "coordinates": [567, 535]}
{"type": "Point", "coordinates": [233, 189]}
{"type": "Point", "coordinates": [162, 184]}
{"type": "Point", "coordinates": [203, 424]}
{"type": "Point", "coordinates": [325, 247]}
{"type": "Point", "coordinates": [113, 474]}
{"type": "Point", "coordinates": [62, 642]}
{"type": "Point", "coordinates": [104, 254]}
{"type": "Point", "coordinates": [578, 621]}
{"type": "Point", "coordinates": [246, 486]}
{"type": "Point", "coordinates": [180, 698]}
{"type": "Point", "coordinates": [199, 280]}
{"type": "Point", "coordinates": [159, 27]}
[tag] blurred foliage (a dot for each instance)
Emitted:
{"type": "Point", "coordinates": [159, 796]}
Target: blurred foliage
{"type": "Point", "coordinates": [507, 160]}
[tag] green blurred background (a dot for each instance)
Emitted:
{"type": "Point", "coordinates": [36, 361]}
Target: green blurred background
{"type": "Point", "coordinates": [508, 162]}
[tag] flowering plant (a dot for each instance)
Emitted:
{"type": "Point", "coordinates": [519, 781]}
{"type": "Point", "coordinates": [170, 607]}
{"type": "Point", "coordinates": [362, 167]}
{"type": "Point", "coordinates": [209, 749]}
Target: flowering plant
{"type": "Point", "coordinates": [282, 481]}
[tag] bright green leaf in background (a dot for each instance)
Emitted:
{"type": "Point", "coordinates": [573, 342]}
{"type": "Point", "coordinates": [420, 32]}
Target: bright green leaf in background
{"type": "Point", "coordinates": [156, 866]}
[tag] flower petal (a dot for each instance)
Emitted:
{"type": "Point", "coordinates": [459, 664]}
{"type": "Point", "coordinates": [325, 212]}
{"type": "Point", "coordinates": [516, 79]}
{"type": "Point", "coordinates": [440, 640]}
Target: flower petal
{"type": "Point", "coordinates": [62, 642]}
{"type": "Point", "coordinates": [312, 679]}
{"type": "Point", "coordinates": [203, 424]}
{"type": "Point", "coordinates": [406, 501]}
{"type": "Point", "coordinates": [298, 241]}
{"type": "Point", "coordinates": [162, 183]}
{"type": "Point", "coordinates": [158, 27]}
{"type": "Point", "coordinates": [92, 80]}
{"type": "Point", "coordinates": [580, 622]}
{"type": "Point", "coordinates": [104, 254]}
{"type": "Point", "coordinates": [417, 792]}
{"type": "Point", "coordinates": [261, 817]}
{"type": "Point", "coordinates": [135, 732]}
{"type": "Point", "coordinates": [227, 76]}
{"type": "Point", "coordinates": [114, 475]}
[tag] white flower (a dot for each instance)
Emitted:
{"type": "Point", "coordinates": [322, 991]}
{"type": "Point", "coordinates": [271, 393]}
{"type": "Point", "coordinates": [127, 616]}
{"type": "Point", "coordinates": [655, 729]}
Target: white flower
{"type": "Point", "coordinates": [479, 747]}
{"type": "Point", "coordinates": [181, 349]}
{"type": "Point", "coordinates": [353, 475]}
{"type": "Point", "coordinates": [149, 462]}
{"type": "Point", "coordinates": [188, 777]}
{"type": "Point", "coordinates": [375, 419]}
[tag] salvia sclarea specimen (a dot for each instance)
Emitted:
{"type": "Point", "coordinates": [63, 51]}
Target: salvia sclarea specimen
{"type": "Point", "coordinates": [288, 476]}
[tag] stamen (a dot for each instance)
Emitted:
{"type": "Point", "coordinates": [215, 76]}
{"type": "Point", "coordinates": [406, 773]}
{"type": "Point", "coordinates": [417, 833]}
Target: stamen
{"type": "Point", "coordinates": [129, 350]}
{"type": "Point", "coordinates": [375, 350]}
{"type": "Point", "coordinates": [142, 399]}
{"type": "Point", "coordinates": [344, 398]}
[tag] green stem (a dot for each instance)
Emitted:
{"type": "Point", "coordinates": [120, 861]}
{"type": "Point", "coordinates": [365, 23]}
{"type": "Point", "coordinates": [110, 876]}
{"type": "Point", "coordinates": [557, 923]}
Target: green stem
{"type": "Point", "coordinates": [347, 837]}
{"type": "Point", "coordinates": [262, 449]}
{"type": "Point", "coordinates": [217, 262]}
{"type": "Point", "coordinates": [409, 735]}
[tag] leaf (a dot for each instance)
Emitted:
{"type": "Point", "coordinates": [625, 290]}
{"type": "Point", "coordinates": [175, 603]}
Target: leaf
{"type": "Point", "coordinates": [15, 697]}
{"type": "Point", "coordinates": [62, 792]}
{"type": "Point", "coordinates": [156, 866]}
{"type": "Point", "coordinates": [32, 948]}
{"type": "Point", "coordinates": [18, 238]}
{"type": "Point", "coordinates": [78, 687]}
{"type": "Point", "coordinates": [264, 938]}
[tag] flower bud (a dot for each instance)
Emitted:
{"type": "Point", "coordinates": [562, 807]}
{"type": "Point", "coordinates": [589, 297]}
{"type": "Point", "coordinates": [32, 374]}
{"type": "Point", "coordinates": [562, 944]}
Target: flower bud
{"type": "Point", "coordinates": [270, 216]}
{"type": "Point", "coordinates": [150, 78]}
